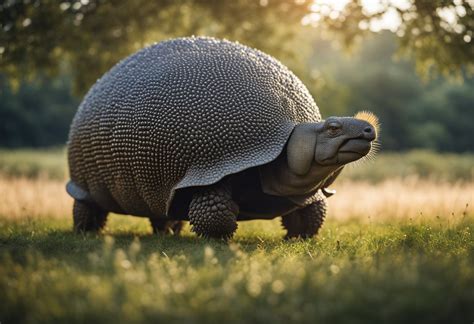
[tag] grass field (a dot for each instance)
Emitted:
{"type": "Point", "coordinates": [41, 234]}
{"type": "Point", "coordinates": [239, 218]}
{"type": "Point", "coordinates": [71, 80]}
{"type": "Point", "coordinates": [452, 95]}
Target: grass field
{"type": "Point", "coordinates": [396, 249]}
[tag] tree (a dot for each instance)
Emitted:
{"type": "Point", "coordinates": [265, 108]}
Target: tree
{"type": "Point", "coordinates": [37, 114]}
{"type": "Point", "coordinates": [414, 114]}
{"type": "Point", "coordinates": [436, 34]}
{"type": "Point", "coordinates": [92, 35]}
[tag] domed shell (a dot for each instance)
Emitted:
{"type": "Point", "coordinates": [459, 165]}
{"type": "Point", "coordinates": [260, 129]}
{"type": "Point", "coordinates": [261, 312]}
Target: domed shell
{"type": "Point", "coordinates": [182, 113]}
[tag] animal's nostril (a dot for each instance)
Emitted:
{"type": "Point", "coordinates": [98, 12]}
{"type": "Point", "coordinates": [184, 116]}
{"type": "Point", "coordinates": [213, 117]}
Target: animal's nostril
{"type": "Point", "coordinates": [368, 130]}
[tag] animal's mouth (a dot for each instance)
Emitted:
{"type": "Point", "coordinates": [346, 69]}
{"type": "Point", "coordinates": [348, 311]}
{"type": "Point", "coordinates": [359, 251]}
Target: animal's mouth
{"type": "Point", "coordinates": [353, 149]}
{"type": "Point", "coordinates": [355, 146]}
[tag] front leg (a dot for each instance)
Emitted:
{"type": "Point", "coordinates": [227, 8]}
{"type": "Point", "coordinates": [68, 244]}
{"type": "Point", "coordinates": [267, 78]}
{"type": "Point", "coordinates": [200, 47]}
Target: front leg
{"type": "Point", "coordinates": [213, 213]}
{"type": "Point", "coordinates": [307, 221]}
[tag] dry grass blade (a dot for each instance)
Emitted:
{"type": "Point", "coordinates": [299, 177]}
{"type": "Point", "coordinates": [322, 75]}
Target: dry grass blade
{"type": "Point", "coordinates": [390, 199]}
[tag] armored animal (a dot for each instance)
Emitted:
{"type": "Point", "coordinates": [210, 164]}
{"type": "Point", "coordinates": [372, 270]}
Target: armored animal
{"type": "Point", "coordinates": [208, 131]}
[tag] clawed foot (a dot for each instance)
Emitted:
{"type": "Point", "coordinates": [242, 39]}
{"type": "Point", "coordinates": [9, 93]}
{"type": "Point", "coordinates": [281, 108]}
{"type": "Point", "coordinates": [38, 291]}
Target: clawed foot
{"type": "Point", "coordinates": [306, 222]}
{"type": "Point", "coordinates": [213, 213]}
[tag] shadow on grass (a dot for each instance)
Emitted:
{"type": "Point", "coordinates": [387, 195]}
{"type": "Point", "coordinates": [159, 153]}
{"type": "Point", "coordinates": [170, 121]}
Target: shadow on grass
{"type": "Point", "coordinates": [74, 249]}
{"type": "Point", "coordinates": [55, 241]}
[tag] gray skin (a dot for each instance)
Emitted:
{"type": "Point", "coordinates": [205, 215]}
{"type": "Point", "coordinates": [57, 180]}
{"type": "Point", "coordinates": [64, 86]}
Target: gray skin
{"type": "Point", "coordinates": [314, 157]}
{"type": "Point", "coordinates": [315, 151]}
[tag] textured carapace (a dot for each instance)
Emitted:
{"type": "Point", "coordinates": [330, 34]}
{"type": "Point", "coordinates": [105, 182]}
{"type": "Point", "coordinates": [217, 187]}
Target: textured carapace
{"type": "Point", "coordinates": [182, 113]}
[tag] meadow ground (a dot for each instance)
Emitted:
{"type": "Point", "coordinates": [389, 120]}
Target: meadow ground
{"type": "Point", "coordinates": [392, 250]}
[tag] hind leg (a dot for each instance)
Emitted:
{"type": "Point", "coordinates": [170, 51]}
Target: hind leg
{"type": "Point", "coordinates": [213, 213]}
{"type": "Point", "coordinates": [166, 226]}
{"type": "Point", "coordinates": [88, 217]}
{"type": "Point", "coordinates": [305, 222]}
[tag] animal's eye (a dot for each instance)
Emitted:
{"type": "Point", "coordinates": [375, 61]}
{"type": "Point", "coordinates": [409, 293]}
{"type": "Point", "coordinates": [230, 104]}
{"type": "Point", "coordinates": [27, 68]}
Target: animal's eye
{"type": "Point", "coordinates": [334, 128]}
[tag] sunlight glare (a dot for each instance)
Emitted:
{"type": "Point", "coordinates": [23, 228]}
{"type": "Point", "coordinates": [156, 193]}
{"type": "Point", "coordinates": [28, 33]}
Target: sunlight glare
{"type": "Point", "coordinates": [390, 20]}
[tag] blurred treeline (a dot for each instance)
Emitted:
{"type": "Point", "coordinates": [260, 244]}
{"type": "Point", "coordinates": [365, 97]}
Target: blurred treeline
{"type": "Point", "coordinates": [417, 77]}
{"type": "Point", "coordinates": [417, 164]}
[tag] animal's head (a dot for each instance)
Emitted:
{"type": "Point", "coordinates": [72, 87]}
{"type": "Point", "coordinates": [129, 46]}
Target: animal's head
{"type": "Point", "coordinates": [335, 141]}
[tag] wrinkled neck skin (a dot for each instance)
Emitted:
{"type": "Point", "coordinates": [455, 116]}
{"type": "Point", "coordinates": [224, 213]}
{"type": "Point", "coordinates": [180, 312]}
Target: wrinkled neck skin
{"type": "Point", "coordinates": [277, 179]}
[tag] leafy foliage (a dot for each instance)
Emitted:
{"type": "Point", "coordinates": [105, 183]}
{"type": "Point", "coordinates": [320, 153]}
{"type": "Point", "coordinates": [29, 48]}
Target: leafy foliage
{"type": "Point", "coordinates": [37, 114]}
{"type": "Point", "coordinates": [92, 35]}
{"type": "Point", "coordinates": [435, 115]}
{"type": "Point", "coordinates": [436, 34]}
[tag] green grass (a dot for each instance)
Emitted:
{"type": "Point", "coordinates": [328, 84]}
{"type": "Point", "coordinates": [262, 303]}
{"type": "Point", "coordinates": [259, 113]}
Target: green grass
{"type": "Point", "coordinates": [33, 163]}
{"type": "Point", "coordinates": [411, 262]}
{"type": "Point", "coordinates": [51, 163]}
{"type": "Point", "coordinates": [354, 272]}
